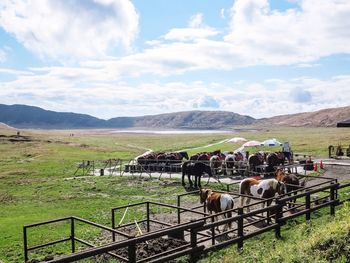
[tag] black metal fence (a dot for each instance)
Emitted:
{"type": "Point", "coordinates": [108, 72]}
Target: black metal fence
{"type": "Point", "coordinates": [200, 235]}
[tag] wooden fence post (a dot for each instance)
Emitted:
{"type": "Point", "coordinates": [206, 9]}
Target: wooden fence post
{"type": "Point", "coordinates": [193, 256]}
{"type": "Point", "coordinates": [240, 231]}
{"type": "Point", "coordinates": [332, 197]}
{"type": "Point", "coordinates": [178, 209]}
{"type": "Point", "coordinates": [72, 234]}
{"type": "Point", "coordinates": [213, 231]}
{"type": "Point", "coordinates": [132, 252]}
{"type": "Point", "coordinates": [113, 224]}
{"type": "Point", "coordinates": [148, 218]}
{"type": "Point", "coordinates": [278, 217]}
{"type": "Point", "coordinates": [25, 244]}
{"type": "Point", "coordinates": [307, 206]}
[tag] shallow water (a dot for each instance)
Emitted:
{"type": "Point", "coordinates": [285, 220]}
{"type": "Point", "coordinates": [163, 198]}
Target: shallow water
{"type": "Point", "coordinates": [174, 131]}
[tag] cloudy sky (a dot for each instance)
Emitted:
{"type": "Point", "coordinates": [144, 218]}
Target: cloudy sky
{"type": "Point", "coordinates": [110, 58]}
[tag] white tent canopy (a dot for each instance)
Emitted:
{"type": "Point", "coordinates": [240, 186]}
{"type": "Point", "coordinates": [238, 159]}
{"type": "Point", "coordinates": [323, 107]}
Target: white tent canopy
{"type": "Point", "coordinates": [251, 144]}
{"type": "Point", "coordinates": [237, 139]}
{"type": "Point", "coordinates": [271, 142]}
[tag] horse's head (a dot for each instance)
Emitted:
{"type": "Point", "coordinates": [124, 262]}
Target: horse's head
{"type": "Point", "coordinates": [204, 157]}
{"type": "Point", "coordinates": [280, 174]}
{"type": "Point", "coordinates": [184, 155]}
{"type": "Point", "coordinates": [217, 152]}
{"type": "Point", "coordinates": [203, 194]}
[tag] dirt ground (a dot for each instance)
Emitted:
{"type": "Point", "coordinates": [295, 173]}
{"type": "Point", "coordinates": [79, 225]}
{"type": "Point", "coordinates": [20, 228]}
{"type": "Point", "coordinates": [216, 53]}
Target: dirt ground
{"type": "Point", "coordinates": [339, 170]}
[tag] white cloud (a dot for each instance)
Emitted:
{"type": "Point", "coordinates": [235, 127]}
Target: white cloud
{"type": "Point", "coordinates": [195, 30]}
{"type": "Point", "coordinates": [3, 56]}
{"type": "Point", "coordinates": [70, 29]}
{"type": "Point", "coordinates": [196, 20]}
{"type": "Point", "coordinates": [86, 91]}
{"type": "Point", "coordinates": [291, 36]}
{"type": "Point", "coordinates": [258, 36]}
{"type": "Point", "coordinates": [222, 13]}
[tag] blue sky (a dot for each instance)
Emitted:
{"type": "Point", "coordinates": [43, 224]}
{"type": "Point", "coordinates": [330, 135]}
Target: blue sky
{"type": "Point", "coordinates": [110, 58]}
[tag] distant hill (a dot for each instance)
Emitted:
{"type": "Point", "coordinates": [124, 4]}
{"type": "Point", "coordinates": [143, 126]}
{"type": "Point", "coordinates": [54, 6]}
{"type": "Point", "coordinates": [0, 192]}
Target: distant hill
{"type": "Point", "coordinates": [23, 116]}
{"type": "Point", "coordinates": [188, 120]}
{"type": "Point", "coordinates": [322, 118]}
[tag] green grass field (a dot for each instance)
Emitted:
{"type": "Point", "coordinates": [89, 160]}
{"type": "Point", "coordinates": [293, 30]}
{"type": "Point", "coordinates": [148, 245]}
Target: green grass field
{"type": "Point", "coordinates": [33, 186]}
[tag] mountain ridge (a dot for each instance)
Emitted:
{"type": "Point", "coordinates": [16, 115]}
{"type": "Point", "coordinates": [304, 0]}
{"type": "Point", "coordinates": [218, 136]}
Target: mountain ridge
{"type": "Point", "coordinates": [24, 116]}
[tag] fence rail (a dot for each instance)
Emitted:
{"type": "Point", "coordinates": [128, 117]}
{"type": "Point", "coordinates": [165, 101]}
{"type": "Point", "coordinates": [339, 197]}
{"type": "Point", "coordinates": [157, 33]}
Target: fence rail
{"type": "Point", "coordinates": [200, 235]}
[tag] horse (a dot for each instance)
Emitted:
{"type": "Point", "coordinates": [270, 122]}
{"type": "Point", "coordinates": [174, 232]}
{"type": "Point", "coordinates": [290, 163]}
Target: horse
{"type": "Point", "coordinates": [196, 169]}
{"type": "Point", "coordinates": [216, 161]}
{"type": "Point", "coordinates": [215, 164]}
{"type": "Point", "coordinates": [229, 163]}
{"type": "Point", "coordinates": [146, 159]}
{"type": "Point", "coordinates": [267, 188]}
{"type": "Point", "coordinates": [275, 159]}
{"type": "Point", "coordinates": [204, 156]}
{"type": "Point", "coordinates": [255, 160]}
{"type": "Point", "coordinates": [217, 202]}
{"type": "Point", "coordinates": [292, 183]}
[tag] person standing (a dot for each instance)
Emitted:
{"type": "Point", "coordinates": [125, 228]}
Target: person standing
{"type": "Point", "coordinates": [287, 151]}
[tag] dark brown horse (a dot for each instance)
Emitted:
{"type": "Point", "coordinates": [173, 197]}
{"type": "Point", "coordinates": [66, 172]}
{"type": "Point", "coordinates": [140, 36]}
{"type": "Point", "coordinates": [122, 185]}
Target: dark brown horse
{"type": "Point", "coordinates": [255, 160]}
{"type": "Point", "coordinates": [275, 158]}
{"type": "Point", "coordinates": [292, 183]}
{"type": "Point", "coordinates": [204, 156]}
{"type": "Point", "coordinates": [196, 169]}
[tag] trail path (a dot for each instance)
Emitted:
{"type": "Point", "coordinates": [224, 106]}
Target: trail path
{"type": "Point", "coordinates": [205, 146]}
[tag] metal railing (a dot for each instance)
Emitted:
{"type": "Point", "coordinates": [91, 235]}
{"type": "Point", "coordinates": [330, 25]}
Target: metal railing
{"type": "Point", "coordinates": [201, 235]}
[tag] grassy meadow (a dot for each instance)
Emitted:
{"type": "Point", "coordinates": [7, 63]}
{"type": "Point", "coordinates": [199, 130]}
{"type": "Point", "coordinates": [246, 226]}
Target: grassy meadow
{"type": "Point", "coordinates": [34, 185]}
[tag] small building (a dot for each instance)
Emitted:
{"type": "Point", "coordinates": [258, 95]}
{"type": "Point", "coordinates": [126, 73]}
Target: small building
{"type": "Point", "coordinates": [343, 124]}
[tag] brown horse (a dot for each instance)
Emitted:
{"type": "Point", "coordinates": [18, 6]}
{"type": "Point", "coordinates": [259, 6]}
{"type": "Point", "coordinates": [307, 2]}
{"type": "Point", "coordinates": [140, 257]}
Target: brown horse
{"type": "Point", "coordinates": [217, 202]}
{"type": "Point", "coordinates": [204, 156]}
{"type": "Point", "coordinates": [292, 183]}
{"type": "Point", "coordinates": [275, 159]}
{"type": "Point", "coordinates": [255, 160]}
{"type": "Point", "coordinates": [146, 159]}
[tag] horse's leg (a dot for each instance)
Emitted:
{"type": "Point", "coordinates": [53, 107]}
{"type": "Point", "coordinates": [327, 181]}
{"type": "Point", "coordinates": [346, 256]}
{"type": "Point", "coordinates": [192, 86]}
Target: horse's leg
{"type": "Point", "coordinates": [216, 218]}
{"type": "Point", "coordinates": [189, 180]}
{"type": "Point", "coordinates": [198, 178]}
{"type": "Point", "coordinates": [183, 178]}
{"type": "Point", "coordinates": [247, 204]}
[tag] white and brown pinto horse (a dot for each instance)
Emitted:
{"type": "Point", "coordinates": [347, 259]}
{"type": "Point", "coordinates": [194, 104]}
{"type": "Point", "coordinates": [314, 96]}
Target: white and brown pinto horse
{"type": "Point", "coordinates": [217, 202]}
{"type": "Point", "coordinates": [260, 188]}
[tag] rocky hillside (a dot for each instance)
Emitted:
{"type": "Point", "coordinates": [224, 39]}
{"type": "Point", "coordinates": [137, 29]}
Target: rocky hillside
{"type": "Point", "coordinates": [321, 118]}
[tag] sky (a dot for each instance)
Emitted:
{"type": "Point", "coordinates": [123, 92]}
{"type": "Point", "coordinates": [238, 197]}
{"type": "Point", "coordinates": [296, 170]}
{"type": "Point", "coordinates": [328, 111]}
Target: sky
{"type": "Point", "coordinates": [110, 58]}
